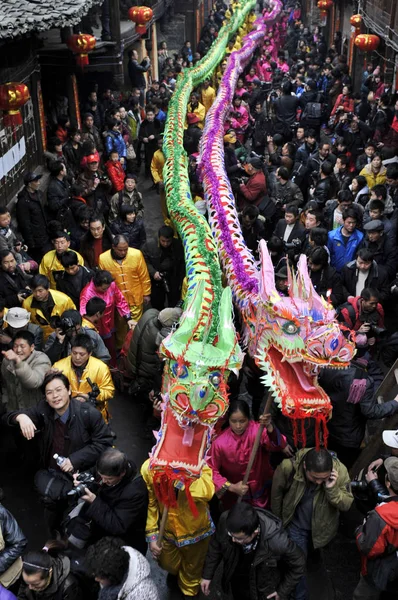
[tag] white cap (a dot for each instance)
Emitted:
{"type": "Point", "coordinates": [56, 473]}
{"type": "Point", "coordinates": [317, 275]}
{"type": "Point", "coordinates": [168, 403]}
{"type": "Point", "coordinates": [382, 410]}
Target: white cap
{"type": "Point", "coordinates": [17, 317]}
{"type": "Point", "coordinates": [390, 438]}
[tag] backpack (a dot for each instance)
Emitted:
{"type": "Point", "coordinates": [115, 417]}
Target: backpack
{"type": "Point", "coordinates": [312, 112]}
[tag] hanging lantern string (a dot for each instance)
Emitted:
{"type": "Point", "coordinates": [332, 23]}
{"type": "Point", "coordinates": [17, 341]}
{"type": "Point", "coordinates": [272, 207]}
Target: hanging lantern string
{"type": "Point", "coordinates": [382, 32]}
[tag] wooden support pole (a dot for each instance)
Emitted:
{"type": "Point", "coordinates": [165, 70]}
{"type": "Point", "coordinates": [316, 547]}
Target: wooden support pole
{"type": "Point", "coordinates": [256, 444]}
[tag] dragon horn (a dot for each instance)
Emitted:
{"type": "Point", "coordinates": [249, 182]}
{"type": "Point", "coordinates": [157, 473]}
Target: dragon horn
{"type": "Point", "coordinates": [190, 316]}
{"type": "Point", "coordinates": [267, 277]}
{"type": "Point", "coordinates": [226, 329]}
{"type": "Point", "coordinates": [307, 290]}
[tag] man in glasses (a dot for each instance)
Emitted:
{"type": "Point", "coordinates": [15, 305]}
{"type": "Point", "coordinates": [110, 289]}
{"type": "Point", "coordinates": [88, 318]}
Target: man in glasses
{"type": "Point", "coordinates": [251, 541]}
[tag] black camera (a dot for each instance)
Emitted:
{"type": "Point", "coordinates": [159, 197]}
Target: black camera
{"type": "Point", "coordinates": [293, 245]}
{"type": "Point", "coordinates": [377, 332]}
{"type": "Point", "coordinates": [64, 324]}
{"type": "Point", "coordinates": [95, 392]}
{"type": "Point", "coordinates": [24, 293]}
{"type": "Point", "coordinates": [85, 480]}
{"type": "Point", "coordinates": [165, 282]}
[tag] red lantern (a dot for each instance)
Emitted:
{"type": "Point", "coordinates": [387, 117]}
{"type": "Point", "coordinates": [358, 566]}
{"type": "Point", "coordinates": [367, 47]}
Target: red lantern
{"type": "Point", "coordinates": [12, 97]}
{"type": "Point", "coordinates": [323, 13]}
{"type": "Point", "coordinates": [325, 4]}
{"type": "Point", "coordinates": [81, 44]}
{"type": "Point", "coordinates": [367, 42]}
{"type": "Point", "coordinates": [140, 15]}
{"type": "Point", "coordinates": [356, 21]}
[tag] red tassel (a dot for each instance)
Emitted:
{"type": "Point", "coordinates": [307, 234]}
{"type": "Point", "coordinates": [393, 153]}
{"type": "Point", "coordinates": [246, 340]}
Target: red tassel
{"type": "Point", "coordinates": [82, 60]}
{"type": "Point", "coordinates": [12, 118]}
{"type": "Point", "coordinates": [140, 29]}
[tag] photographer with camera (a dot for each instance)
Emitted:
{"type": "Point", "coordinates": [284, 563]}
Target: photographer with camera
{"type": "Point", "coordinates": [115, 504]}
{"type": "Point", "coordinates": [14, 283]}
{"type": "Point", "coordinates": [377, 539]}
{"type": "Point", "coordinates": [364, 315]}
{"type": "Point", "coordinates": [44, 304]}
{"type": "Point", "coordinates": [81, 369]}
{"type": "Point", "coordinates": [67, 427]}
{"type": "Point", "coordinates": [66, 327]}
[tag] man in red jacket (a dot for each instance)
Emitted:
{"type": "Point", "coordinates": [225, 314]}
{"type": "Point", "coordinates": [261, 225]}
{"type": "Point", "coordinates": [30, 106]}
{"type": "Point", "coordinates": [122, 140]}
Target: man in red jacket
{"type": "Point", "coordinates": [377, 540]}
{"type": "Point", "coordinates": [255, 188]}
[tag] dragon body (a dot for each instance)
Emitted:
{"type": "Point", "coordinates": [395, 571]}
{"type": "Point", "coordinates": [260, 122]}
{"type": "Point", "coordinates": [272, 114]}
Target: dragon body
{"type": "Point", "coordinates": [204, 349]}
{"type": "Point", "coordinates": [289, 338]}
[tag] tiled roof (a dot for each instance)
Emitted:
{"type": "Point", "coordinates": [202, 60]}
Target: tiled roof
{"type": "Point", "coordinates": [21, 16]}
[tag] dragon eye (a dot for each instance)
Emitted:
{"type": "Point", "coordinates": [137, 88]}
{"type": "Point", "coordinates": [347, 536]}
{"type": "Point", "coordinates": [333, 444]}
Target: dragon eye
{"type": "Point", "coordinates": [290, 328]}
{"type": "Point", "coordinates": [180, 371]}
{"type": "Point", "coordinates": [215, 379]}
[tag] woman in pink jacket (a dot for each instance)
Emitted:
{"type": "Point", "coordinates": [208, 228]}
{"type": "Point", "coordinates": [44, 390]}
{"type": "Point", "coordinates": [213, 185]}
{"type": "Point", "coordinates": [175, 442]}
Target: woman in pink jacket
{"type": "Point", "coordinates": [229, 456]}
{"type": "Point", "coordinates": [102, 286]}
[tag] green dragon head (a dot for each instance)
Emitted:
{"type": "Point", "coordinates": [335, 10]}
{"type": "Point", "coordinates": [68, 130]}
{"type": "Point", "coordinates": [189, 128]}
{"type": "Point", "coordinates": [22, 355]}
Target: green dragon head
{"type": "Point", "coordinates": [196, 371]}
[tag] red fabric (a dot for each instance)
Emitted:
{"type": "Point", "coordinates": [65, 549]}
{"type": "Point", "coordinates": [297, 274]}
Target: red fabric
{"type": "Point", "coordinates": [229, 456]}
{"type": "Point", "coordinates": [344, 101]}
{"type": "Point", "coordinates": [255, 189]}
{"type": "Point", "coordinates": [61, 134]}
{"type": "Point", "coordinates": [97, 246]}
{"type": "Point", "coordinates": [116, 174]}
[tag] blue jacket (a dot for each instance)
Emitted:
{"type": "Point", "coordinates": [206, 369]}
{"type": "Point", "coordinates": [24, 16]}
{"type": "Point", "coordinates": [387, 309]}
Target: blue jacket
{"type": "Point", "coordinates": [114, 142]}
{"type": "Point", "coordinates": [341, 253]}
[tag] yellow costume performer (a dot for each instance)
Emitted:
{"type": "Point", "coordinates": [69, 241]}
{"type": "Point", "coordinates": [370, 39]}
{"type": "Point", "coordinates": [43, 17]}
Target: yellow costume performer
{"type": "Point", "coordinates": [58, 302]}
{"type": "Point", "coordinates": [132, 278]}
{"type": "Point", "coordinates": [186, 538]}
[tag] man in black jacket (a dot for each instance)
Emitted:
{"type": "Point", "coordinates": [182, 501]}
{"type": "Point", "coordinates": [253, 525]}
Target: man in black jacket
{"type": "Point", "coordinates": [31, 218]}
{"type": "Point", "coordinates": [74, 278]}
{"type": "Point", "coordinates": [58, 194]}
{"type": "Point", "coordinates": [364, 272]}
{"type": "Point", "coordinates": [13, 281]}
{"type": "Point", "coordinates": [250, 542]}
{"type": "Point", "coordinates": [14, 544]}
{"type": "Point", "coordinates": [149, 131]}
{"type": "Point", "coordinates": [285, 109]}
{"type": "Point", "coordinates": [118, 505]}
{"type": "Point", "coordinates": [384, 249]}
{"type": "Point", "coordinates": [324, 277]}
{"type": "Point", "coordinates": [164, 258]}
{"type": "Point", "coordinates": [136, 73]}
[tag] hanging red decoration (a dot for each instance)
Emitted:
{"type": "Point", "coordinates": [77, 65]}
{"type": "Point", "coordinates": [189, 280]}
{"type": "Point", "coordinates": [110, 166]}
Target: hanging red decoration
{"type": "Point", "coordinates": [81, 44]}
{"type": "Point", "coordinates": [324, 14]}
{"type": "Point", "coordinates": [367, 42]}
{"type": "Point", "coordinates": [12, 96]}
{"type": "Point", "coordinates": [356, 21]}
{"type": "Point", "coordinates": [140, 15]}
{"type": "Point", "coordinates": [325, 4]}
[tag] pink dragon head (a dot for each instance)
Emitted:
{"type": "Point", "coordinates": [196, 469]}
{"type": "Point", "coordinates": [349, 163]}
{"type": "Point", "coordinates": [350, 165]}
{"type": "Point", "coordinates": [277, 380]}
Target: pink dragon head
{"type": "Point", "coordinates": [295, 337]}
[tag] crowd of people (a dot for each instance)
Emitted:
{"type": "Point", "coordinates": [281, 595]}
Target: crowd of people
{"type": "Point", "coordinates": [86, 300]}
